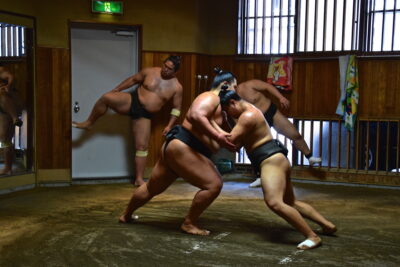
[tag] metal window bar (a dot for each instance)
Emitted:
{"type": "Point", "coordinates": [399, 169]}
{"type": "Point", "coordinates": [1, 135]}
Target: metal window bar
{"type": "Point", "coordinates": [315, 25]}
{"type": "Point", "coordinates": [383, 24]}
{"type": "Point", "coordinates": [255, 27]}
{"type": "Point", "coordinates": [353, 26]}
{"type": "Point", "coordinates": [263, 29]}
{"type": "Point", "coordinates": [367, 148]}
{"type": "Point", "coordinates": [387, 145]}
{"type": "Point", "coordinates": [325, 26]}
{"type": "Point", "coordinates": [272, 27]}
{"type": "Point", "coordinates": [306, 28]}
{"type": "Point", "coordinates": [394, 23]}
{"type": "Point", "coordinates": [280, 27]}
{"type": "Point", "coordinates": [1, 40]}
{"type": "Point", "coordinates": [348, 155]}
{"type": "Point", "coordinates": [334, 25]}
{"type": "Point", "coordinates": [246, 35]}
{"type": "Point", "coordinates": [377, 146]}
{"type": "Point", "coordinates": [343, 25]}
{"type": "Point", "coordinates": [357, 144]}
{"type": "Point", "coordinates": [288, 26]}
{"type": "Point", "coordinates": [372, 25]}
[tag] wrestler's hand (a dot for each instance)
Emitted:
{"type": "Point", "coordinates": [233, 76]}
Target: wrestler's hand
{"type": "Point", "coordinates": [166, 130]}
{"type": "Point", "coordinates": [284, 103]}
{"type": "Point", "coordinates": [224, 142]}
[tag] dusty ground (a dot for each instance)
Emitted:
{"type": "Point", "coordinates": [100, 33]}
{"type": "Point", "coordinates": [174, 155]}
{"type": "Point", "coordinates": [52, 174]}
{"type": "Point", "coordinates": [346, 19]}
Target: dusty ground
{"type": "Point", "coordinates": [77, 226]}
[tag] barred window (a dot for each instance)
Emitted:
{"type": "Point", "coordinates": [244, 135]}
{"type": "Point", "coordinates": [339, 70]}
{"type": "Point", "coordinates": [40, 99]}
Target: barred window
{"type": "Point", "coordinates": [383, 25]}
{"type": "Point", "coordinates": [290, 26]}
{"type": "Point", "coordinates": [266, 26]}
{"type": "Point", "coordinates": [328, 25]}
{"type": "Point", "coordinates": [12, 40]}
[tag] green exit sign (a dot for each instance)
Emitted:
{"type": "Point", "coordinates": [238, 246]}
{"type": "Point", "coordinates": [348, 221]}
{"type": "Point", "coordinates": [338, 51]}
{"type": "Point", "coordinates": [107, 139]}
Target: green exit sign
{"type": "Point", "coordinates": [109, 7]}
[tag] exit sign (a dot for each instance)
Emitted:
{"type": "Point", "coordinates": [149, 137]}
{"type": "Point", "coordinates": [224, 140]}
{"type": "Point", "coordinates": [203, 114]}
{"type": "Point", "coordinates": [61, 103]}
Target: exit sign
{"type": "Point", "coordinates": [108, 7]}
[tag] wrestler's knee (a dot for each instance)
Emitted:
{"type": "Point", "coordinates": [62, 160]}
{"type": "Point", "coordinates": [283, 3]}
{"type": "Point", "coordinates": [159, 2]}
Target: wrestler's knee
{"type": "Point", "coordinates": [274, 204]}
{"type": "Point", "coordinates": [215, 187]}
{"type": "Point", "coordinates": [107, 97]}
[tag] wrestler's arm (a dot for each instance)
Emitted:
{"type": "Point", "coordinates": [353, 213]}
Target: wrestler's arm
{"type": "Point", "coordinates": [266, 87]}
{"type": "Point", "coordinates": [130, 81]}
{"type": "Point", "coordinates": [176, 106]}
{"type": "Point", "coordinates": [242, 128]}
{"type": "Point", "coordinates": [200, 114]}
{"type": "Point", "coordinates": [10, 79]}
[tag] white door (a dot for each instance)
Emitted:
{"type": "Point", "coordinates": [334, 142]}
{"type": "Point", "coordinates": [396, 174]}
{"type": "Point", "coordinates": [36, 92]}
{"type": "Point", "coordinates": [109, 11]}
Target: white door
{"type": "Point", "coordinates": [100, 60]}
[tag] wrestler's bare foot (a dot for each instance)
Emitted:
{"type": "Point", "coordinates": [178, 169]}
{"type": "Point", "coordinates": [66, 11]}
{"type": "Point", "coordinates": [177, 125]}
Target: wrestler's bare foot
{"type": "Point", "coordinates": [139, 182]}
{"type": "Point", "coordinates": [193, 229]}
{"type": "Point", "coordinates": [127, 219]}
{"type": "Point", "coordinates": [5, 172]}
{"type": "Point", "coordinates": [309, 243]}
{"type": "Point", "coordinates": [329, 229]}
{"type": "Point", "coordinates": [82, 125]}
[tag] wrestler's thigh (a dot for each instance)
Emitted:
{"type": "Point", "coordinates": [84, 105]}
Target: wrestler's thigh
{"type": "Point", "coordinates": [195, 168]}
{"type": "Point", "coordinates": [120, 102]}
{"type": "Point", "coordinates": [5, 128]}
{"type": "Point", "coordinates": [283, 126]}
{"type": "Point", "coordinates": [141, 131]}
{"type": "Point", "coordinates": [161, 178]}
{"type": "Point", "coordinates": [274, 176]}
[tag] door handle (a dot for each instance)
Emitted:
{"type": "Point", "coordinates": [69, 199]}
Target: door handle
{"type": "Point", "coordinates": [76, 107]}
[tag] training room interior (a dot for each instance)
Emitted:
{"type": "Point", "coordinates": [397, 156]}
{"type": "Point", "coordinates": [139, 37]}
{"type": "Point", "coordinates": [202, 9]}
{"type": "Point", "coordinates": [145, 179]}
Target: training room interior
{"type": "Point", "coordinates": [50, 215]}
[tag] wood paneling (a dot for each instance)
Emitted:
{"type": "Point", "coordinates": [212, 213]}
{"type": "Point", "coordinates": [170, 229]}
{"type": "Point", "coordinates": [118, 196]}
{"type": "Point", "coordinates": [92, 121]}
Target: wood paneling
{"type": "Point", "coordinates": [379, 88]}
{"type": "Point", "coordinates": [53, 107]}
{"type": "Point", "coordinates": [315, 94]}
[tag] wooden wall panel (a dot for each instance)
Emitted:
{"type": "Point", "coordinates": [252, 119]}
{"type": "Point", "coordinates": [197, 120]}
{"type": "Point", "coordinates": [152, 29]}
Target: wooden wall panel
{"type": "Point", "coordinates": [53, 107]}
{"type": "Point", "coordinates": [379, 89]}
{"type": "Point", "coordinates": [315, 94]}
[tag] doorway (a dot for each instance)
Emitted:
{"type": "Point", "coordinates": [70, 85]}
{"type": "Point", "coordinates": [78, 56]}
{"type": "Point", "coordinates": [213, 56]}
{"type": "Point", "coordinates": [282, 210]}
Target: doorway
{"type": "Point", "coordinates": [102, 56]}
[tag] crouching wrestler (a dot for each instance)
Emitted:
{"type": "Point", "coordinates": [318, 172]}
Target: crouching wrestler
{"type": "Point", "coordinates": [186, 153]}
{"type": "Point", "coordinates": [269, 157]}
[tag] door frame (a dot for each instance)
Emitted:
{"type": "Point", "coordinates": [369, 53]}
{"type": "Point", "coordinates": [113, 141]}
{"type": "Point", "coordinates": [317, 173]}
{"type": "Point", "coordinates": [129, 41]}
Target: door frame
{"type": "Point", "coordinates": [84, 24]}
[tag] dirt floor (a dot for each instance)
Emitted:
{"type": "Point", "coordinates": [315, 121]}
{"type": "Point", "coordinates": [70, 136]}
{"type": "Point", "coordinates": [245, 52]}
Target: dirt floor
{"type": "Point", "coordinates": [77, 226]}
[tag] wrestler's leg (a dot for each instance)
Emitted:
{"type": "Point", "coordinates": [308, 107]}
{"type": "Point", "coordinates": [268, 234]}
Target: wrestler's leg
{"type": "Point", "coordinates": [8, 105]}
{"type": "Point", "coordinates": [161, 178]}
{"type": "Point", "coordinates": [274, 179]}
{"type": "Point", "coordinates": [120, 102]}
{"type": "Point", "coordinates": [6, 134]}
{"type": "Point", "coordinates": [141, 133]}
{"type": "Point", "coordinates": [307, 211]}
{"type": "Point", "coordinates": [200, 172]}
{"type": "Point", "coordinates": [285, 127]}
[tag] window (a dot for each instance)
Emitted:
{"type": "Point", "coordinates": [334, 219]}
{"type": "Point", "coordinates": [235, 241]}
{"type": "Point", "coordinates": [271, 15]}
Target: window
{"type": "Point", "coordinates": [266, 26]}
{"type": "Point", "coordinates": [383, 31]}
{"type": "Point", "coordinates": [303, 26]}
{"type": "Point", "coordinates": [12, 40]}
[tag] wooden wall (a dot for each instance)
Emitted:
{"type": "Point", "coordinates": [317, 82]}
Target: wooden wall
{"type": "Point", "coordinates": [53, 108]}
{"type": "Point", "coordinates": [315, 94]}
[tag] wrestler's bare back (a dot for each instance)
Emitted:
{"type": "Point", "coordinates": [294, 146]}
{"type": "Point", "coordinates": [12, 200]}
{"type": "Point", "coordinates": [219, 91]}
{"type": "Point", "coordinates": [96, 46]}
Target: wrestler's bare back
{"type": "Point", "coordinates": [248, 91]}
{"type": "Point", "coordinates": [155, 91]}
{"type": "Point", "coordinates": [251, 129]}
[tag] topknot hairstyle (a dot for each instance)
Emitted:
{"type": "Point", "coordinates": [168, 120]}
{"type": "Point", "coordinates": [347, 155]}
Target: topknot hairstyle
{"type": "Point", "coordinates": [222, 76]}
